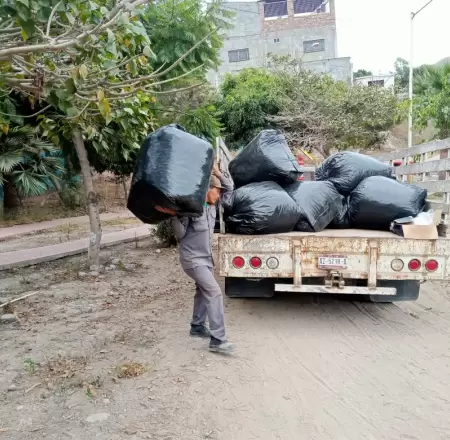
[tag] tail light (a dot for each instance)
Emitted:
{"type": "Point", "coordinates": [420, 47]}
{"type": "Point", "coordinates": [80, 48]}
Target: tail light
{"type": "Point", "coordinates": [414, 265]}
{"type": "Point", "coordinates": [300, 179]}
{"type": "Point", "coordinates": [272, 263]}
{"type": "Point", "coordinates": [397, 265]}
{"type": "Point", "coordinates": [432, 265]}
{"type": "Point", "coordinates": [238, 262]}
{"type": "Point", "coordinates": [255, 262]}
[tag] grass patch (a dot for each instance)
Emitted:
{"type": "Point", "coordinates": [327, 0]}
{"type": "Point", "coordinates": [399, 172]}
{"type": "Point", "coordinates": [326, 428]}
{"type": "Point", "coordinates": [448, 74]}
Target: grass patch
{"type": "Point", "coordinates": [30, 366]}
{"type": "Point", "coordinates": [121, 222]}
{"type": "Point", "coordinates": [130, 369]}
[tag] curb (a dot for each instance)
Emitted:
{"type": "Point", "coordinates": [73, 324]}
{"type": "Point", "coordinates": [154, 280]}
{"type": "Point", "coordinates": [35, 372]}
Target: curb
{"type": "Point", "coordinates": [30, 257]}
{"type": "Point", "coordinates": [27, 229]}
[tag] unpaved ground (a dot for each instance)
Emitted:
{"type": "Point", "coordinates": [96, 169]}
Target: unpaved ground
{"type": "Point", "coordinates": [306, 367]}
{"type": "Point", "coordinates": [64, 233]}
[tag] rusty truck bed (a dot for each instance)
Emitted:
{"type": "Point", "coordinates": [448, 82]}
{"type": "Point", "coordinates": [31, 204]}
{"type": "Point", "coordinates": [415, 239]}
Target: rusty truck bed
{"type": "Point", "coordinates": [368, 253]}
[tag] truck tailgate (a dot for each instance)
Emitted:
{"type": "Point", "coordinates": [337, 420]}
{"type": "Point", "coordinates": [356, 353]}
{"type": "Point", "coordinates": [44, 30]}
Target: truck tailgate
{"type": "Point", "coordinates": [367, 255]}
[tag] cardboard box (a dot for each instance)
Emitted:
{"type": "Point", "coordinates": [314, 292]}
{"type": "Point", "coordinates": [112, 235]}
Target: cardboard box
{"type": "Point", "coordinates": [418, 232]}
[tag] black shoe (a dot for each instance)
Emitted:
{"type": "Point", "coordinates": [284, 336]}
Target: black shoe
{"type": "Point", "coordinates": [199, 331]}
{"type": "Point", "coordinates": [218, 346]}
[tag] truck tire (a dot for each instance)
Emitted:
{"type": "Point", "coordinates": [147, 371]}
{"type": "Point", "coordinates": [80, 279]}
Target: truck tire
{"type": "Point", "coordinates": [249, 288]}
{"type": "Point", "coordinates": [407, 290]}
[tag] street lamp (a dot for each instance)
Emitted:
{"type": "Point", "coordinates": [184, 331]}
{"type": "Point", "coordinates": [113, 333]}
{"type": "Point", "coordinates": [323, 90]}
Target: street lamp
{"type": "Point", "coordinates": [410, 88]}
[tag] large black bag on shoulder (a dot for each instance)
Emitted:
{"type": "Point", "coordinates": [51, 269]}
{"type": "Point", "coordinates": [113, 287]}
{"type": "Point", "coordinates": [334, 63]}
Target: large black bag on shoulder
{"type": "Point", "coordinates": [173, 170]}
{"type": "Point", "coordinates": [261, 208]}
{"type": "Point", "coordinates": [378, 201]}
{"type": "Point", "coordinates": [347, 170]}
{"type": "Point", "coordinates": [266, 158]}
{"type": "Point", "coordinates": [318, 204]}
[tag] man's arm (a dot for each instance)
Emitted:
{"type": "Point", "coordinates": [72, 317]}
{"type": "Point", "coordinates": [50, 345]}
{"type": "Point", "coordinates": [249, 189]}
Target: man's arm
{"type": "Point", "coordinates": [227, 186]}
{"type": "Point", "coordinates": [179, 226]}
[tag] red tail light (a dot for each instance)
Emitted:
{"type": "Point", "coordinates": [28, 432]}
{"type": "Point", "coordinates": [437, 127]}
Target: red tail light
{"type": "Point", "coordinates": [414, 265]}
{"type": "Point", "coordinates": [255, 262]}
{"type": "Point", "coordinates": [432, 265]}
{"type": "Point", "coordinates": [238, 262]}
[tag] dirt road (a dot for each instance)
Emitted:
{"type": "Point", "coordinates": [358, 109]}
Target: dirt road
{"type": "Point", "coordinates": [306, 367]}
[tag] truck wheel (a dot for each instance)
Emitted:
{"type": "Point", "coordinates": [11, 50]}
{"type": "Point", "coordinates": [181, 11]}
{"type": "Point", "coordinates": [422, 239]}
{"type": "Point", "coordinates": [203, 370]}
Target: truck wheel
{"type": "Point", "coordinates": [407, 290]}
{"type": "Point", "coordinates": [249, 288]}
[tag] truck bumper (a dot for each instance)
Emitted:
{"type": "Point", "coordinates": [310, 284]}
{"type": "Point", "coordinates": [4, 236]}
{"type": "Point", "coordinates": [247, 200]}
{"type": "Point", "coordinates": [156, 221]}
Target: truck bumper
{"type": "Point", "coordinates": [349, 290]}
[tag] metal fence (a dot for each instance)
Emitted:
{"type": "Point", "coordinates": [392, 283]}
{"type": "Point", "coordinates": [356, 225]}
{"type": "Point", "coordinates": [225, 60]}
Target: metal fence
{"type": "Point", "coordinates": [428, 166]}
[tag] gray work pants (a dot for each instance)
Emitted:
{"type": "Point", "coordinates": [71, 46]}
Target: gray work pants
{"type": "Point", "coordinates": [208, 301]}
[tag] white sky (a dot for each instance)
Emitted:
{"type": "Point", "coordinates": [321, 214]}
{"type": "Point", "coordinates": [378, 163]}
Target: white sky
{"type": "Point", "coordinates": [375, 32]}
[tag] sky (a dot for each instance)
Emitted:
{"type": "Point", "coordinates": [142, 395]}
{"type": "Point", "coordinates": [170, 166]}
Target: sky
{"type": "Point", "coordinates": [375, 32]}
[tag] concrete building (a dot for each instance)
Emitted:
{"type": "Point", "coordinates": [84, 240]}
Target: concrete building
{"type": "Point", "coordinates": [302, 29]}
{"type": "Point", "coordinates": [381, 80]}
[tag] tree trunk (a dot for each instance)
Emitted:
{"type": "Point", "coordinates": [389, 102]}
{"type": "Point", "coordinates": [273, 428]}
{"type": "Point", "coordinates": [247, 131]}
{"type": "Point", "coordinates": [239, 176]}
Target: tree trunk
{"type": "Point", "coordinates": [124, 186]}
{"type": "Point", "coordinates": [91, 200]}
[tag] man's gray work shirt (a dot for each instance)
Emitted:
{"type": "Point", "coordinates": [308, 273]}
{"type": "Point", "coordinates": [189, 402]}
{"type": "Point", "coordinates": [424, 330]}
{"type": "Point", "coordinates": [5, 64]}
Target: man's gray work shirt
{"type": "Point", "coordinates": [196, 234]}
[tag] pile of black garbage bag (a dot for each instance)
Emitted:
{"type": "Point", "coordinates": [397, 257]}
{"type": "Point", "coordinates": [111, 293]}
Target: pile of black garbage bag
{"type": "Point", "coordinates": [351, 191]}
{"type": "Point", "coordinates": [172, 171]}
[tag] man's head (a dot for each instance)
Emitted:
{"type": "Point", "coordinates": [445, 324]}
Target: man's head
{"type": "Point", "coordinates": [213, 194]}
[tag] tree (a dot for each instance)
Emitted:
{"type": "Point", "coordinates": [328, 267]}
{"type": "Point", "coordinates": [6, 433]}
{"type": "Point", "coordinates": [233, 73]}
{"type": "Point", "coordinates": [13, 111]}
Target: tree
{"type": "Point", "coordinates": [247, 100]}
{"type": "Point", "coordinates": [89, 61]}
{"type": "Point", "coordinates": [362, 72]}
{"type": "Point", "coordinates": [402, 74]}
{"type": "Point", "coordinates": [181, 23]}
{"type": "Point", "coordinates": [27, 163]}
{"type": "Point", "coordinates": [432, 98]}
{"type": "Point", "coordinates": [318, 113]}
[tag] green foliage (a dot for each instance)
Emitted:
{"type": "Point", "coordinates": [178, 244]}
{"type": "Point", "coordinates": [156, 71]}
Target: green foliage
{"type": "Point", "coordinates": [432, 90]}
{"type": "Point", "coordinates": [26, 161]}
{"type": "Point", "coordinates": [248, 98]}
{"type": "Point", "coordinates": [174, 26]}
{"type": "Point", "coordinates": [193, 109]}
{"type": "Point", "coordinates": [164, 233]}
{"type": "Point", "coordinates": [362, 72]}
{"type": "Point", "coordinates": [314, 111]}
{"type": "Point", "coordinates": [402, 74]}
{"type": "Point", "coordinates": [89, 65]}
{"type": "Point", "coordinates": [321, 114]}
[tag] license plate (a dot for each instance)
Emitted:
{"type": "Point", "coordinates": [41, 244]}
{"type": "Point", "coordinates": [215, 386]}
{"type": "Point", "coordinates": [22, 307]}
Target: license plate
{"type": "Point", "coordinates": [332, 262]}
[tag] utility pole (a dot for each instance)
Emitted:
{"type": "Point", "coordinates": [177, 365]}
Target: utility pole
{"type": "Point", "coordinates": [411, 75]}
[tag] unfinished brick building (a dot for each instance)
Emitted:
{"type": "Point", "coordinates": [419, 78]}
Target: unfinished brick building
{"type": "Point", "coordinates": [302, 29]}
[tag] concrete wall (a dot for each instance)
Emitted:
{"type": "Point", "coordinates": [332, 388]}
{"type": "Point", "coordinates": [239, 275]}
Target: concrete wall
{"type": "Point", "coordinates": [281, 36]}
{"type": "Point", "coordinates": [389, 80]}
{"type": "Point", "coordinates": [338, 68]}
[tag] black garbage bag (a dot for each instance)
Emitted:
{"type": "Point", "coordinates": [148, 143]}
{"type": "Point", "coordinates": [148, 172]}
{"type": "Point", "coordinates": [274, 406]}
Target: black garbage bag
{"type": "Point", "coordinates": [378, 201]}
{"type": "Point", "coordinates": [342, 220]}
{"type": "Point", "coordinates": [261, 208]}
{"type": "Point", "coordinates": [318, 204]}
{"type": "Point", "coordinates": [347, 170]}
{"type": "Point", "coordinates": [172, 171]}
{"type": "Point", "coordinates": [266, 158]}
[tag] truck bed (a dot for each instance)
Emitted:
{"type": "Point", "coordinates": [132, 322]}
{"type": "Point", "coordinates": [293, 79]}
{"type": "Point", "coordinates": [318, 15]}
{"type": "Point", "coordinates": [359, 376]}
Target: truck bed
{"type": "Point", "coordinates": [366, 252]}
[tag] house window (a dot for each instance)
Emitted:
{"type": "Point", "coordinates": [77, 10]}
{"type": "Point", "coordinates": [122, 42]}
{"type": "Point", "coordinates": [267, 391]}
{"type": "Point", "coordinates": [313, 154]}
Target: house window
{"type": "Point", "coordinates": [310, 6]}
{"type": "Point", "coordinates": [311, 46]}
{"type": "Point", "coordinates": [376, 83]}
{"type": "Point", "coordinates": [235, 56]}
{"type": "Point", "coordinates": [275, 9]}
{"type": "Point", "coordinates": [276, 40]}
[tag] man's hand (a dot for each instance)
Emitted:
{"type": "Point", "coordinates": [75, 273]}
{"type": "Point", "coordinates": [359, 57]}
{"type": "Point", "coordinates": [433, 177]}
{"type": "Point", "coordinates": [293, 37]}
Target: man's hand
{"type": "Point", "coordinates": [216, 171]}
{"type": "Point", "coordinates": [165, 210]}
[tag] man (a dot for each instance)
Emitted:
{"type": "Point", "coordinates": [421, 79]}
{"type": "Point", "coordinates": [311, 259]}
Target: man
{"type": "Point", "coordinates": [195, 245]}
